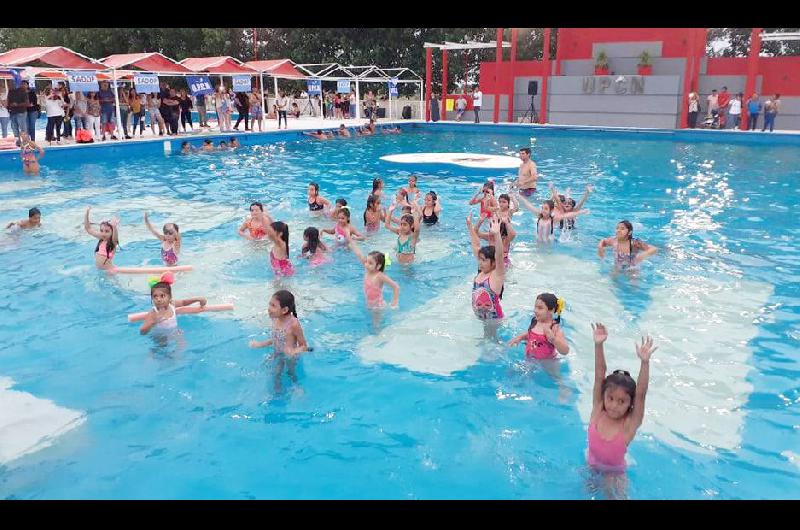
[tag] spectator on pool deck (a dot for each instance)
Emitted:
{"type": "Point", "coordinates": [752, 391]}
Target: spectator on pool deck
{"type": "Point", "coordinates": [477, 101]}
{"type": "Point", "coordinates": [54, 106]}
{"type": "Point", "coordinates": [185, 106]}
{"type": "Point", "coordinates": [352, 101]}
{"type": "Point", "coordinates": [200, 105]}
{"type": "Point", "coordinates": [93, 114]}
{"type": "Point", "coordinates": [33, 112]}
{"type": "Point", "coordinates": [137, 112]}
{"type": "Point", "coordinates": [753, 110]}
{"type": "Point", "coordinates": [79, 111]}
{"type": "Point", "coordinates": [694, 109]}
{"type": "Point", "coordinates": [283, 105]}
{"type": "Point", "coordinates": [735, 111]}
{"type": "Point", "coordinates": [68, 109]}
{"type": "Point", "coordinates": [124, 111]}
{"type": "Point", "coordinates": [461, 106]}
{"type": "Point", "coordinates": [106, 97]}
{"type": "Point", "coordinates": [713, 103]}
{"type": "Point", "coordinates": [4, 115]}
{"type": "Point", "coordinates": [174, 110]}
{"type": "Point", "coordinates": [256, 112]}
{"type": "Point", "coordinates": [723, 100]}
{"type": "Point", "coordinates": [243, 108]}
{"type": "Point", "coordinates": [18, 109]}
{"type": "Point", "coordinates": [770, 111]}
{"type": "Point", "coordinates": [153, 104]}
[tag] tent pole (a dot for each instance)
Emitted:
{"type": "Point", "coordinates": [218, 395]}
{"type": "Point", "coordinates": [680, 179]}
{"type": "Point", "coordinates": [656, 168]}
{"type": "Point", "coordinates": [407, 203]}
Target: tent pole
{"type": "Point", "coordinates": [263, 104]}
{"type": "Point", "coordinates": [390, 103]}
{"type": "Point", "coordinates": [116, 100]}
{"type": "Point", "coordinates": [358, 100]}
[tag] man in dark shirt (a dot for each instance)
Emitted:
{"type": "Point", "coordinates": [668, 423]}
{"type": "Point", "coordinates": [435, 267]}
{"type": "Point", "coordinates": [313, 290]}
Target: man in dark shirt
{"type": "Point", "coordinates": [33, 112]}
{"type": "Point", "coordinates": [18, 109]}
{"type": "Point", "coordinates": [173, 104]}
{"type": "Point", "coordinates": [243, 106]}
{"type": "Point", "coordinates": [107, 104]}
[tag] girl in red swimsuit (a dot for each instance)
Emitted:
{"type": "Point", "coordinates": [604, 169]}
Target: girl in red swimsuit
{"type": "Point", "coordinates": [544, 336]}
{"type": "Point", "coordinates": [255, 225]}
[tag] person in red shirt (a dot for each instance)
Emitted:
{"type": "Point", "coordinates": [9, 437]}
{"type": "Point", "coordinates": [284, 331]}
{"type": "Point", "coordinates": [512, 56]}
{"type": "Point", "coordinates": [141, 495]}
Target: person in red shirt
{"type": "Point", "coordinates": [724, 100]}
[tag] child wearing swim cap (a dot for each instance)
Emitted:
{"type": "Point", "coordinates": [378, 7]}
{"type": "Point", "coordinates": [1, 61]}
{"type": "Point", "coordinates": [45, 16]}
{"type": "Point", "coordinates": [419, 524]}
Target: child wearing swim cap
{"type": "Point", "coordinates": [287, 337]}
{"type": "Point", "coordinates": [170, 241]}
{"type": "Point", "coordinates": [618, 404]}
{"type": "Point", "coordinates": [544, 338]}
{"type": "Point", "coordinates": [163, 317]}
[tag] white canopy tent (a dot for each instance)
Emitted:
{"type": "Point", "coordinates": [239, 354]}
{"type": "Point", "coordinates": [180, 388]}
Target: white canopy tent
{"type": "Point", "coordinates": [359, 74]}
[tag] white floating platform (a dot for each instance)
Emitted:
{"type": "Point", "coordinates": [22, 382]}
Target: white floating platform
{"type": "Point", "coordinates": [473, 160]}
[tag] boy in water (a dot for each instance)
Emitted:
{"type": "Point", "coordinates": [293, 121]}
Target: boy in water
{"type": "Point", "coordinates": [527, 175]}
{"type": "Point", "coordinates": [34, 220]}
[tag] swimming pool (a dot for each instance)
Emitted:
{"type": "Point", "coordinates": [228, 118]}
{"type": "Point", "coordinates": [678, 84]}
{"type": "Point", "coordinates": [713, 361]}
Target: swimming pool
{"type": "Point", "coordinates": [423, 407]}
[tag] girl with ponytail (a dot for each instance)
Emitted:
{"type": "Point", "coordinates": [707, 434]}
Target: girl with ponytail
{"type": "Point", "coordinates": [544, 336]}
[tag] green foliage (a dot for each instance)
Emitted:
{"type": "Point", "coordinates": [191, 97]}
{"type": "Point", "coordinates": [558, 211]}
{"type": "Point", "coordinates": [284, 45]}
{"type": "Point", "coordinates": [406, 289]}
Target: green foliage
{"type": "Point", "coordinates": [602, 60]}
{"type": "Point", "coordinates": [644, 58]}
{"type": "Point", "coordinates": [738, 40]}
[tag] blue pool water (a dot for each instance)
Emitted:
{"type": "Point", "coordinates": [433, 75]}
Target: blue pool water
{"type": "Point", "coordinates": [421, 406]}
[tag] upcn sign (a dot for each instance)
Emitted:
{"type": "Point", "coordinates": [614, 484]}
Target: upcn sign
{"type": "Point", "coordinates": [633, 84]}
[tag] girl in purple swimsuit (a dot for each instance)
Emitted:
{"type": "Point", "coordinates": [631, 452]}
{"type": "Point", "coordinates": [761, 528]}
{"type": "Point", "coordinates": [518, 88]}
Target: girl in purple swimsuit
{"type": "Point", "coordinates": [170, 241]}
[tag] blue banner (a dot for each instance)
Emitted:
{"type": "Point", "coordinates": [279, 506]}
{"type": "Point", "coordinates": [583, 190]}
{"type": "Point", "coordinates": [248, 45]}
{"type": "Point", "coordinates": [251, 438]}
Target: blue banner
{"type": "Point", "coordinates": [343, 86]}
{"type": "Point", "coordinates": [83, 81]}
{"type": "Point", "coordinates": [393, 86]}
{"type": "Point", "coordinates": [242, 83]}
{"type": "Point", "coordinates": [15, 75]}
{"type": "Point", "coordinates": [199, 85]}
{"type": "Point", "coordinates": [314, 86]}
{"type": "Point", "coordinates": [145, 83]}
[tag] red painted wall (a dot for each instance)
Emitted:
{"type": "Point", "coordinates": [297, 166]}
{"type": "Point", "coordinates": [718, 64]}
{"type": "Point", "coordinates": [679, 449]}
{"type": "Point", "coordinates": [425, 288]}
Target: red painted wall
{"type": "Point", "coordinates": [521, 68]}
{"type": "Point", "coordinates": [577, 42]}
{"type": "Point", "coordinates": [781, 74]}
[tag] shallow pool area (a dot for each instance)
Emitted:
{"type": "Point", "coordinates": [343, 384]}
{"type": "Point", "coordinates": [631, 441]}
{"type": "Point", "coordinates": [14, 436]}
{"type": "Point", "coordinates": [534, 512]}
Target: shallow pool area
{"type": "Point", "coordinates": [418, 405]}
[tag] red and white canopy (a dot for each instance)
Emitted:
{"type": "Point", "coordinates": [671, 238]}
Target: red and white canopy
{"type": "Point", "coordinates": [217, 65]}
{"type": "Point", "coordinates": [149, 62]}
{"type": "Point", "coordinates": [283, 68]}
{"type": "Point", "coordinates": [52, 56]}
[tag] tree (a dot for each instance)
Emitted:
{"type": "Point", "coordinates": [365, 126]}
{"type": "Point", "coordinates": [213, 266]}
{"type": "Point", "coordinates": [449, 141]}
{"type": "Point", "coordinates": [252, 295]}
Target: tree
{"type": "Point", "coordinates": [738, 40]}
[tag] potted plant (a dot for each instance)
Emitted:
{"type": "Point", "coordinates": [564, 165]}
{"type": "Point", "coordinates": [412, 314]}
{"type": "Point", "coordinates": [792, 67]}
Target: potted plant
{"type": "Point", "coordinates": [601, 64]}
{"type": "Point", "coordinates": [644, 67]}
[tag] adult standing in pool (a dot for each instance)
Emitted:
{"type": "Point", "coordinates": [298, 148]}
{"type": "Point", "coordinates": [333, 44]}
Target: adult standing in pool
{"type": "Point", "coordinates": [477, 101]}
{"type": "Point", "coordinates": [527, 174]}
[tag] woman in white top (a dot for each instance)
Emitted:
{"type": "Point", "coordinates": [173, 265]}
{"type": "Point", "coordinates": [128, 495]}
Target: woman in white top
{"type": "Point", "coordinates": [735, 111]}
{"type": "Point", "coordinates": [54, 106]}
{"type": "Point", "coordinates": [5, 117]}
{"type": "Point", "coordinates": [79, 111]}
{"type": "Point", "coordinates": [153, 103]}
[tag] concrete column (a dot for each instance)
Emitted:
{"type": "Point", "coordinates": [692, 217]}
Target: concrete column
{"type": "Point", "coordinates": [687, 81]}
{"type": "Point", "coordinates": [511, 83]}
{"type": "Point", "coordinates": [428, 81]}
{"type": "Point", "coordinates": [545, 76]}
{"type": "Point", "coordinates": [444, 85]}
{"type": "Point", "coordinates": [497, 83]}
{"type": "Point", "coordinates": [752, 73]}
{"type": "Point", "coordinates": [559, 46]}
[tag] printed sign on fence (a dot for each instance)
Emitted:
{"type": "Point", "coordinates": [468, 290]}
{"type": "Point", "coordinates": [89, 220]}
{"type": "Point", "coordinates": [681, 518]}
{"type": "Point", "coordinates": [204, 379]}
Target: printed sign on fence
{"type": "Point", "coordinates": [343, 86]}
{"type": "Point", "coordinates": [393, 87]}
{"type": "Point", "coordinates": [83, 81]}
{"type": "Point", "coordinates": [145, 83]}
{"type": "Point", "coordinates": [199, 85]}
{"type": "Point", "coordinates": [314, 87]}
{"type": "Point", "coordinates": [242, 83]}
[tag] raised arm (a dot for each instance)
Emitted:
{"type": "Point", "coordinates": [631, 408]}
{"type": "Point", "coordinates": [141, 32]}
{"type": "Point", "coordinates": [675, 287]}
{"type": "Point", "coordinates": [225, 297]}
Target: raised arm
{"type": "Point", "coordinates": [475, 199]}
{"type": "Point", "coordinates": [643, 351]}
{"type": "Point", "coordinates": [569, 215]}
{"type": "Point", "coordinates": [556, 198]}
{"type": "Point", "coordinates": [87, 225]}
{"type": "Point", "coordinates": [599, 334]}
{"type": "Point", "coordinates": [388, 222]}
{"type": "Point", "coordinates": [150, 227]}
{"type": "Point", "coordinates": [499, 263]}
{"type": "Point", "coordinates": [357, 251]}
{"type": "Point", "coordinates": [524, 202]}
{"type": "Point", "coordinates": [589, 189]}
{"type": "Point", "coordinates": [473, 237]}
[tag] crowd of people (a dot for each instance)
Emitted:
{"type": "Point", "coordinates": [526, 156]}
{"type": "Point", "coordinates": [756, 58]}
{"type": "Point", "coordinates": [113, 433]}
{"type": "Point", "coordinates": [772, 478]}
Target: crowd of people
{"type": "Point", "coordinates": [724, 110]}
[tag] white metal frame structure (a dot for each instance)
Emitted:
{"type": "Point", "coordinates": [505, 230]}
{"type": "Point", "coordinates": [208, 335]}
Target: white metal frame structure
{"type": "Point", "coordinates": [359, 74]}
{"type": "Point", "coordinates": [780, 36]}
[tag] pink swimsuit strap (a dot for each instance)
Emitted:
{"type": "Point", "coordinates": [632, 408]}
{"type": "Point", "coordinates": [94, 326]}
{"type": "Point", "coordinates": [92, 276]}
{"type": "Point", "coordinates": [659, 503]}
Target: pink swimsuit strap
{"type": "Point", "coordinates": [606, 454]}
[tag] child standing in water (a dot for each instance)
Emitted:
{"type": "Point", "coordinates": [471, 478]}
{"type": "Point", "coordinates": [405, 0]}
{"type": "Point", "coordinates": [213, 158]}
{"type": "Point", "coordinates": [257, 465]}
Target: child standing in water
{"type": "Point", "coordinates": [373, 214]}
{"type": "Point", "coordinates": [170, 241]}
{"type": "Point", "coordinates": [28, 150]}
{"type": "Point", "coordinates": [255, 224]}
{"type": "Point", "coordinates": [407, 235]}
{"type": "Point", "coordinates": [628, 250]}
{"type": "Point", "coordinates": [487, 201]}
{"type": "Point", "coordinates": [163, 317]}
{"type": "Point", "coordinates": [34, 220]}
{"type": "Point", "coordinates": [287, 336]}
{"type": "Point", "coordinates": [618, 404]}
{"type": "Point", "coordinates": [313, 248]}
{"type": "Point", "coordinates": [316, 202]}
{"type": "Point", "coordinates": [487, 287]}
{"type": "Point", "coordinates": [547, 216]}
{"type": "Point", "coordinates": [377, 187]}
{"type": "Point", "coordinates": [544, 336]}
{"type": "Point", "coordinates": [375, 278]}
{"type": "Point", "coordinates": [343, 230]}
{"type": "Point", "coordinates": [107, 241]}
{"type": "Point", "coordinates": [278, 233]}
{"type": "Point", "coordinates": [507, 234]}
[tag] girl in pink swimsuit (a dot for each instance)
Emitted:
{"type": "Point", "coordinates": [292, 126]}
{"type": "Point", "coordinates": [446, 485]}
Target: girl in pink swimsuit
{"type": "Point", "coordinates": [343, 230]}
{"type": "Point", "coordinates": [488, 203]}
{"type": "Point", "coordinates": [170, 241]}
{"type": "Point", "coordinates": [487, 287]}
{"type": "Point", "coordinates": [373, 214]}
{"type": "Point", "coordinates": [375, 278]}
{"type": "Point", "coordinates": [313, 248]}
{"type": "Point", "coordinates": [286, 336]}
{"type": "Point", "coordinates": [278, 233]}
{"type": "Point", "coordinates": [618, 404]}
{"type": "Point", "coordinates": [108, 241]}
{"type": "Point", "coordinates": [544, 336]}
